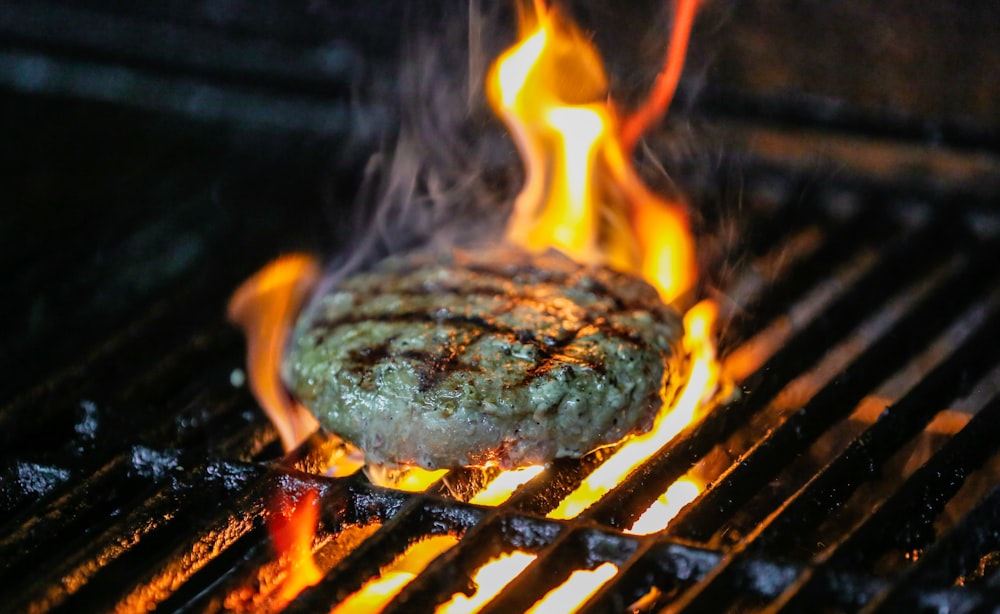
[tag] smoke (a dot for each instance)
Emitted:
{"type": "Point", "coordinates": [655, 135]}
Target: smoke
{"type": "Point", "coordinates": [447, 174]}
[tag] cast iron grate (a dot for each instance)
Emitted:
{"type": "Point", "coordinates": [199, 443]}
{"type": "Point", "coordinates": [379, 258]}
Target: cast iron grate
{"type": "Point", "coordinates": [857, 470]}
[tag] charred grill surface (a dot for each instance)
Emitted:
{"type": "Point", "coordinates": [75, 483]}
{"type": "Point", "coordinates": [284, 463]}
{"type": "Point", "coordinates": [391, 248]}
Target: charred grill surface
{"type": "Point", "coordinates": [486, 357]}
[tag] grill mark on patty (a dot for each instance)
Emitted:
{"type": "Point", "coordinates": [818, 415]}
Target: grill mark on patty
{"type": "Point", "coordinates": [512, 272]}
{"type": "Point", "coordinates": [370, 355]}
{"type": "Point", "coordinates": [432, 368]}
{"type": "Point", "coordinates": [621, 307]}
{"type": "Point", "coordinates": [555, 356]}
{"type": "Point", "coordinates": [487, 325]}
{"type": "Point", "coordinates": [543, 277]}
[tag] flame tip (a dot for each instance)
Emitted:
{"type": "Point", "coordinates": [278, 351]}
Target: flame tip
{"type": "Point", "coordinates": [581, 195]}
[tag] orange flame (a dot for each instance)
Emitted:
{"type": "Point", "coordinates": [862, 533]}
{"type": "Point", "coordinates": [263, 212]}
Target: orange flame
{"type": "Point", "coordinates": [379, 591]}
{"type": "Point", "coordinates": [265, 307]}
{"type": "Point", "coordinates": [581, 194]}
{"type": "Point", "coordinates": [503, 486]}
{"type": "Point", "coordinates": [576, 590]}
{"type": "Point", "coordinates": [491, 578]}
{"type": "Point", "coordinates": [663, 510]}
{"type": "Point", "coordinates": [409, 479]}
{"type": "Point", "coordinates": [292, 528]}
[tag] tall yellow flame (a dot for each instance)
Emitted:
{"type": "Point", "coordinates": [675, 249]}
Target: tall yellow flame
{"type": "Point", "coordinates": [581, 194]}
{"type": "Point", "coordinates": [265, 307]}
{"type": "Point", "coordinates": [583, 197]}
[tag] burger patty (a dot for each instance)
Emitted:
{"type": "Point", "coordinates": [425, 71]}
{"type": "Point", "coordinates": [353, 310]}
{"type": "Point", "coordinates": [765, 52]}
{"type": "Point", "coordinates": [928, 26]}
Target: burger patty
{"type": "Point", "coordinates": [485, 357]}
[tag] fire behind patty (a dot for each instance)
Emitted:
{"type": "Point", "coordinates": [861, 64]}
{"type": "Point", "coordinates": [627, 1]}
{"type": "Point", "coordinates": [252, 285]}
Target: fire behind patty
{"type": "Point", "coordinates": [485, 357]}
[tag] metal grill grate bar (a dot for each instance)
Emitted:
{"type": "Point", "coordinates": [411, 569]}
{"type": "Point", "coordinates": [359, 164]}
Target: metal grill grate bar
{"type": "Point", "coordinates": [927, 490]}
{"type": "Point", "coordinates": [831, 486]}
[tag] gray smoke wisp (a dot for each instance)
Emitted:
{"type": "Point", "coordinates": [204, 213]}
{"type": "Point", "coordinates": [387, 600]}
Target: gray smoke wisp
{"type": "Point", "coordinates": [447, 173]}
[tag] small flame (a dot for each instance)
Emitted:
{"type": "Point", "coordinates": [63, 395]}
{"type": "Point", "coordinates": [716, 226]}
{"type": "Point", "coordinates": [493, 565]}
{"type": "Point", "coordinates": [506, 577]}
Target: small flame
{"type": "Point", "coordinates": [490, 579]}
{"type": "Point", "coordinates": [409, 479]}
{"type": "Point", "coordinates": [416, 479]}
{"type": "Point", "coordinates": [663, 510]}
{"type": "Point", "coordinates": [503, 486]}
{"type": "Point", "coordinates": [292, 528]}
{"type": "Point", "coordinates": [576, 590]}
{"type": "Point", "coordinates": [265, 307]}
{"type": "Point", "coordinates": [701, 385]}
{"type": "Point", "coordinates": [379, 591]}
{"type": "Point", "coordinates": [581, 194]}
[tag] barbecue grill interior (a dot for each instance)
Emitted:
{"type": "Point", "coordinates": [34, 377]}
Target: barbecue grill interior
{"type": "Point", "coordinates": [847, 221]}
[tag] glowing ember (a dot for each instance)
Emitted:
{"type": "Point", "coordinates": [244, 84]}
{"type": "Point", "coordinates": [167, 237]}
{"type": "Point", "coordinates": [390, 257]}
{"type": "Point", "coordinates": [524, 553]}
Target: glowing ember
{"type": "Point", "coordinates": [581, 195]}
{"type": "Point", "coordinates": [292, 528]}
{"type": "Point", "coordinates": [491, 578]}
{"type": "Point", "coordinates": [504, 485]}
{"type": "Point", "coordinates": [379, 591]}
{"type": "Point", "coordinates": [576, 590]}
{"type": "Point", "coordinates": [265, 307]}
{"type": "Point", "coordinates": [663, 510]}
{"type": "Point", "coordinates": [698, 342]}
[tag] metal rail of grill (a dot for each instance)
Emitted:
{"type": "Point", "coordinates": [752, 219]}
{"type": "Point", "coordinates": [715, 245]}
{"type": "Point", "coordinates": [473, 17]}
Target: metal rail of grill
{"type": "Point", "coordinates": [857, 468]}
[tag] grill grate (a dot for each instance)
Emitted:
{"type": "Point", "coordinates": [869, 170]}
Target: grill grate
{"type": "Point", "coordinates": [856, 470]}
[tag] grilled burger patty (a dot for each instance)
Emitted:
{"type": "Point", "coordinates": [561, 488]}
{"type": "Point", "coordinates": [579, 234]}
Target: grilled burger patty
{"type": "Point", "coordinates": [494, 356]}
